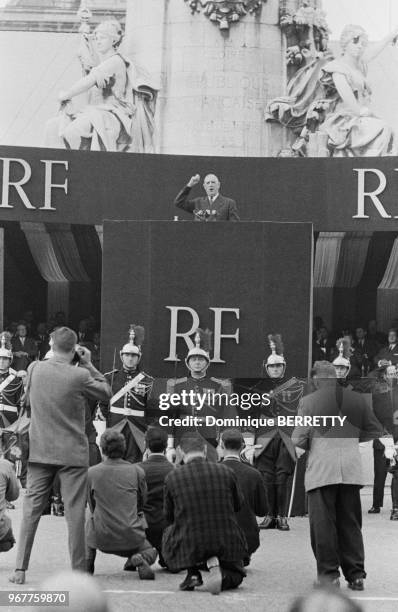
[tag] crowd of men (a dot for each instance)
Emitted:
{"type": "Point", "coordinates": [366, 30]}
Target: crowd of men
{"type": "Point", "coordinates": [190, 495]}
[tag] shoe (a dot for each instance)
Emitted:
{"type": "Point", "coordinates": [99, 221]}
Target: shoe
{"type": "Point", "coordinates": [356, 585]}
{"type": "Point", "coordinates": [282, 524]}
{"type": "Point", "coordinates": [18, 577]}
{"type": "Point", "coordinates": [191, 581]}
{"type": "Point", "coordinates": [269, 522]}
{"type": "Point", "coordinates": [145, 571]}
{"type": "Point", "coordinates": [213, 583]}
{"type": "Point", "coordinates": [129, 567]}
{"type": "Point", "coordinates": [374, 510]}
{"type": "Point", "coordinates": [394, 514]}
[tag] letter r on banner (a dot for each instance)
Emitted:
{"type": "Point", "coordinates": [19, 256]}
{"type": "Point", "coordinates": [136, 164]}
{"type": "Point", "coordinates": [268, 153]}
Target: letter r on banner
{"type": "Point", "coordinates": [174, 334]}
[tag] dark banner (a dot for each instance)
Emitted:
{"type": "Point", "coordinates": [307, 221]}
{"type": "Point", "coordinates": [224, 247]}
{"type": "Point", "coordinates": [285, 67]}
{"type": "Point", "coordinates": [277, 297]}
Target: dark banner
{"type": "Point", "coordinates": [240, 280]}
{"type": "Point", "coordinates": [47, 185]}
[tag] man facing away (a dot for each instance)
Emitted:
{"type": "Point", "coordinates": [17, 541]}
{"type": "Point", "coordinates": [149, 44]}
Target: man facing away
{"type": "Point", "coordinates": [116, 497]}
{"type": "Point", "coordinates": [251, 483]}
{"type": "Point", "coordinates": [213, 206]}
{"type": "Point", "coordinates": [156, 467]}
{"type": "Point", "coordinates": [333, 477]}
{"type": "Point", "coordinates": [56, 392]}
{"type": "Point", "coordinates": [201, 499]}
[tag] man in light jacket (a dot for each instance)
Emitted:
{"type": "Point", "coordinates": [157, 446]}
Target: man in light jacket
{"type": "Point", "coordinates": [333, 477]}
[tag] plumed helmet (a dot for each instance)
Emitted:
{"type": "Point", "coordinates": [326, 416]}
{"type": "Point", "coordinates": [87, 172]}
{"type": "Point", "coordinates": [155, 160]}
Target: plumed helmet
{"type": "Point", "coordinates": [136, 340]}
{"type": "Point", "coordinates": [343, 358]}
{"type": "Point", "coordinates": [202, 346]}
{"type": "Point", "coordinates": [5, 345]}
{"type": "Point", "coordinates": [276, 357]}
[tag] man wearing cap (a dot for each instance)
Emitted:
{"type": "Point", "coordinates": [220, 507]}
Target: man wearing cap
{"type": "Point", "coordinates": [333, 477]}
{"type": "Point", "coordinates": [131, 387]}
{"type": "Point", "coordinates": [275, 455]}
{"type": "Point", "coordinates": [201, 396]}
{"type": "Point", "coordinates": [212, 207]}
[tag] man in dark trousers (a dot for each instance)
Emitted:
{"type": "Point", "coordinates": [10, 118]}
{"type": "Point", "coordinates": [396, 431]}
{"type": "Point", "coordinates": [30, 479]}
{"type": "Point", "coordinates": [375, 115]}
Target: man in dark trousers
{"type": "Point", "coordinates": [333, 476]}
{"type": "Point", "coordinates": [213, 206]}
{"type": "Point", "coordinates": [156, 467]}
{"type": "Point", "coordinates": [385, 407]}
{"type": "Point", "coordinates": [251, 483]}
{"type": "Point", "coordinates": [201, 499]}
{"type": "Point", "coordinates": [56, 392]}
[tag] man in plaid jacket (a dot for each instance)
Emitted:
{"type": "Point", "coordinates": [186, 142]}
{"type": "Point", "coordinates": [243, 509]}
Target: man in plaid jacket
{"type": "Point", "coordinates": [201, 499]}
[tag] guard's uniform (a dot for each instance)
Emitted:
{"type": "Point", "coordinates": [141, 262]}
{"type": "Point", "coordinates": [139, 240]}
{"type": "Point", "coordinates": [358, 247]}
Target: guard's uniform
{"type": "Point", "coordinates": [214, 406]}
{"type": "Point", "coordinates": [128, 414]}
{"type": "Point", "coordinates": [10, 398]}
{"type": "Point", "coordinates": [276, 457]}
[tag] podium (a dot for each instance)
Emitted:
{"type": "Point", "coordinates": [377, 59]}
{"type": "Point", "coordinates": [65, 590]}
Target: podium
{"type": "Point", "coordinates": [240, 280]}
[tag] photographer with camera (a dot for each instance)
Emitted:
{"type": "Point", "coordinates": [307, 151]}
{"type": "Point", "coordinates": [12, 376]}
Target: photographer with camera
{"type": "Point", "coordinates": [56, 392]}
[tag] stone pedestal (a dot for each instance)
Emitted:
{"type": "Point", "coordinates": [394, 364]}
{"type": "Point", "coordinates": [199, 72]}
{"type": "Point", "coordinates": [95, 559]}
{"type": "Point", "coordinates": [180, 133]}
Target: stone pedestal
{"type": "Point", "coordinates": [215, 84]}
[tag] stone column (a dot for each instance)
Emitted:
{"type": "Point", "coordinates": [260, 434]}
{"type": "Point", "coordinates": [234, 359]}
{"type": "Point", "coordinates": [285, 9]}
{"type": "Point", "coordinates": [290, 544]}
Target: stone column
{"type": "Point", "coordinates": [215, 83]}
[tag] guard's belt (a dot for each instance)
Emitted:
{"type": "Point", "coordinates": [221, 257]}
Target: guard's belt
{"type": "Point", "coordinates": [5, 407]}
{"type": "Point", "coordinates": [128, 411]}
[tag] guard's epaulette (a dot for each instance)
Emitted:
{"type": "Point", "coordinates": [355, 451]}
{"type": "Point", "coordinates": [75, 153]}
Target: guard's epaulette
{"type": "Point", "coordinates": [147, 375]}
{"type": "Point", "coordinates": [176, 381]}
{"type": "Point", "coordinates": [111, 372]}
{"type": "Point", "coordinates": [225, 382]}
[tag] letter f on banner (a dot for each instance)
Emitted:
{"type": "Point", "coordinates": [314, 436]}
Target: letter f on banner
{"type": "Point", "coordinates": [362, 194]}
{"type": "Point", "coordinates": [173, 330]}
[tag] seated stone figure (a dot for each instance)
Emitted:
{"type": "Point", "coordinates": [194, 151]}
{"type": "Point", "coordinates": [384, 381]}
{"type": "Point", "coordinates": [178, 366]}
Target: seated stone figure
{"type": "Point", "coordinates": [352, 128]}
{"type": "Point", "coordinates": [120, 112]}
{"type": "Point", "coordinates": [328, 102]}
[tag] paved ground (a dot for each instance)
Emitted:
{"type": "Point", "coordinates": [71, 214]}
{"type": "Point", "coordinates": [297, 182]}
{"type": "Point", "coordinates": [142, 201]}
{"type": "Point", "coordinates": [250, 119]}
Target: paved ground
{"type": "Point", "coordinates": [280, 570]}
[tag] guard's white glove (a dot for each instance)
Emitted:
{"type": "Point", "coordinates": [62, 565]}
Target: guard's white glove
{"type": "Point", "coordinates": [248, 452]}
{"type": "Point", "coordinates": [389, 447]}
{"type": "Point", "coordinates": [299, 452]}
{"type": "Point", "coordinates": [171, 454]}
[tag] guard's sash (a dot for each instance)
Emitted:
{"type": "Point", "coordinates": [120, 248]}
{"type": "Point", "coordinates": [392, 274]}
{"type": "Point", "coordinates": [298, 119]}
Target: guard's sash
{"type": "Point", "coordinates": [127, 387]}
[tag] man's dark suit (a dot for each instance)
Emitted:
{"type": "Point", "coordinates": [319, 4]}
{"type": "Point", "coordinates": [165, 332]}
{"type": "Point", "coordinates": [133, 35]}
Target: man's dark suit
{"type": "Point", "coordinates": [388, 354]}
{"type": "Point", "coordinates": [225, 208]}
{"type": "Point", "coordinates": [201, 499]}
{"type": "Point", "coordinates": [255, 502]}
{"type": "Point", "coordinates": [29, 346]}
{"type": "Point", "coordinates": [156, 469]}
{"type": "Point", "coordinates": [57, 393]}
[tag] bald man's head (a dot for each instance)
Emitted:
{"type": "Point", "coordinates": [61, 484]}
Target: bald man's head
{"type": "Point", "coordinates": [211, 185]}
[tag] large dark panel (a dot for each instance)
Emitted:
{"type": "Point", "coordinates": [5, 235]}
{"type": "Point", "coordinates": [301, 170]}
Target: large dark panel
{"type": "Point", "coordinates": [264, 269]}
{"type": "Point", "coordinates": [103, 185]}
